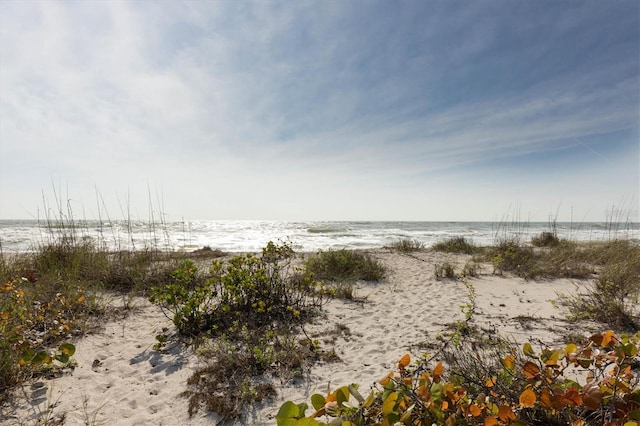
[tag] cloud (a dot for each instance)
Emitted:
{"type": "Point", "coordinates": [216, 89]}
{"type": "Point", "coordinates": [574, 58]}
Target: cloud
{"type": "Point", "coordinates": [341, 96]}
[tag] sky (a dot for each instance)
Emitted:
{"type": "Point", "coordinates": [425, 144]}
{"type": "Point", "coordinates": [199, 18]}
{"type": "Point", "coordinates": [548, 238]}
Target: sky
{"type": "Point", "coordinates": [320, 110]}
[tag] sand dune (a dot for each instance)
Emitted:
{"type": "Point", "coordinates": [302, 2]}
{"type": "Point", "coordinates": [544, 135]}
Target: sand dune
{"type": "Point", "coordinates": [120, 379]}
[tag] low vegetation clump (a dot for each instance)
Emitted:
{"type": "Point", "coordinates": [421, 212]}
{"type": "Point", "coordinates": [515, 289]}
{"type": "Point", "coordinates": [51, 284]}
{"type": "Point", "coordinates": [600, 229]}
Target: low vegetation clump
{"type": "Point", "coordinates": [614, 296]}
{"type": "Point", "coordinates": [545, 239]}
{"type": "Point", "coordinates": [456, 245]}
{"type": "Point", "coordinates": [344, 265]}
{"type": "Point", "coordinates": [247, 291]}
{"type": "Point", "coordinates": [243, 318]}
{"type": "Point", "coordinates": [407, 246]}
{"type": "Point", "coordinates": [502, 385]}
{"type": "Point", "coordinates": [509, 255]}
{"type": "Point", "coordinates": [52, 295]}
{"type": "Point", "coordinates": [444, 270]}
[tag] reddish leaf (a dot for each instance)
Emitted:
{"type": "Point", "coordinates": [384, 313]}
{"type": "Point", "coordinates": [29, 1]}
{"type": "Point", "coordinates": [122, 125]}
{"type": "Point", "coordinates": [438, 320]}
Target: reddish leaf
{"type": "Point", "coordinates": [527, 398]}
{"type": "Point", "coordinates": [572, 397]}
{"type": "Point", "coordinates": [438, 370]}
{"type": "Point", "coordinates": [490, 421]}
{"type": "Point", "coordinates": [404, 361]}
{"type": "Point", "coordinates": [530, 370]}
{"type": "Point", "coordinates": [475, 410]}
{"type": "Point", "coordinates": [505, 413]}
{"type": "Point", "coordinates": [591, 396]}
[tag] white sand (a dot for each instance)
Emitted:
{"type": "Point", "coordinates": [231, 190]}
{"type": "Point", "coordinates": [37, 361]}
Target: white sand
{"type": "Point", "coordinates": [136, 385]}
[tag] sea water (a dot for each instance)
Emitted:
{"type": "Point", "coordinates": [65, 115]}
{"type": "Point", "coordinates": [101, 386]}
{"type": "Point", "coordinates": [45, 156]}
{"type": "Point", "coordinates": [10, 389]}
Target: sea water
{"type": "Point", "coordinates": [252, 235]}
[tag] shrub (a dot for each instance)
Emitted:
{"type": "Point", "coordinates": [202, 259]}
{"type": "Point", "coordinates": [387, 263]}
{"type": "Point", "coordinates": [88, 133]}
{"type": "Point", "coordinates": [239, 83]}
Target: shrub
{"type": "Point", "coordinates": [245, 313]}
{"type": "Point", "coordinates": [231, 376]}
{"type": "Point", "coordinates": [456, 245]}
{"type": "Point", "coordinates": [32, 321]}
{"type": "Point", "coordinates": [499, 386]}
{"type": "Point", "coordinates": [248, 290]}
{"type": "Point", "coordinates": [341, 265]}
{"type": "Point", "coordinates": [407, 246]}
{"type": "Point", "coordinates": [343, 290]}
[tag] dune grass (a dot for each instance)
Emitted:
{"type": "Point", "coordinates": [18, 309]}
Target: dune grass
{"type": "Point", "coordinates": [456, 245]}
{"type": "Point", "coordinates": [613, 266]}
{"type": "Point", "coordinates": [407, 245]}
{"type": "Point", "coordinates": [345, 265]}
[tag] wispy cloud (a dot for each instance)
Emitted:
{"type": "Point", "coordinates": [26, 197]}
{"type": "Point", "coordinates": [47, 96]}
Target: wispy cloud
{"type": "Point", "coordinates": [370, 93]}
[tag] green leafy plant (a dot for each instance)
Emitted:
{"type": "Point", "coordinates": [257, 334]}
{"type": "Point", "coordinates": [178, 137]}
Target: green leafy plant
{"type": "Point", "coordinates": [30, 327]}
{"type": "Point", "coordinates": [243, 319]}
{"type": "Point", "coordinates": [510, 256]}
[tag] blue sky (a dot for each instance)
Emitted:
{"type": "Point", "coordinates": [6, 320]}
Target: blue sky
{"type": "Point", "coordinates": [320, 110]}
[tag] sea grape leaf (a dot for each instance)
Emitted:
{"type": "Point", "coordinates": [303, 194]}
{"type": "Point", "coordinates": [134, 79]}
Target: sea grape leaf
{"type": "Point", "coordinates": [67, 349]}
{"type": "Point", "coordinates": [527, 398]}
{"type": "Point", "coordinates": [318, 401]}
{"type": "Point", "coordinates": [288, 414]}
{"type": "Point", "coordinates": [527, 349]}
{"type": "Point", "coordinates": [404, 361]}
{"type": "Point", "coordinates": [591, 396]}
{"type": "Point", "coordinates": [389, 403]}
{"type": "Point", "coordinates": [530, 370]}
{"type": "Point", "coordinates": [41, 358]}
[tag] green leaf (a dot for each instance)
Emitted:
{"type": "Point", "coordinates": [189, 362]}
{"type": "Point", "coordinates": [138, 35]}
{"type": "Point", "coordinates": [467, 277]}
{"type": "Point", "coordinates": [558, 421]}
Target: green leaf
{"type": "Point", "coordinates": [528, 350]}
{"type": "Point", "coordinates": [41, 358]}
{"type": "Point", "coordinates": [353, 388]}
{"type": "Point", "coordinates": [67, 349]}
{"type": "Point", "coordinates": [62, 357]}
{"type": "Point", "coordinates": [288, 414]}
{"type": "Point", "coordinates": [318, 401]}
{"type": "Point", "coordinates": [370, 399]}
{"type": "Point", "coordinates": [302, 408]}
{"type": "Point", "coordinates": [342, 395]}
{"type": "Point", "coordinates": [630, 349]}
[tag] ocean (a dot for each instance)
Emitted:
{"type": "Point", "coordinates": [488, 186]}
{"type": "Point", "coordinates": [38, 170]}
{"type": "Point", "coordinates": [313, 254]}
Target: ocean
{"type": "Point", "coordinates": [252, 235]}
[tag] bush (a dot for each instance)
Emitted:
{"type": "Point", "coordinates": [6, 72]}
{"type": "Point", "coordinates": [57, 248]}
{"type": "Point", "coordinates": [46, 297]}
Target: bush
{"type": "Point", "coordinates": [456, 245]}
{"type": "Point", "coordinates": [248, 290]}
{"type": "Point", "coordinates": [344, 265]}
{"type": "Point", "coordinates": [32, 322]}
{"type": "Point", "coordinates": [51, 295]}
{"type": "Point", "coordinates": [245, 313]}
{"type": "Point", "coordinates": [498, 386]}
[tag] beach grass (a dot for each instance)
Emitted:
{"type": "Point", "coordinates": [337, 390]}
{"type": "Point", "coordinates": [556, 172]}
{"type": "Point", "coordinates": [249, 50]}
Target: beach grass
{"type": "Point", "coordinates": [407, 245]}
{"type": "Point", "coordinates": [456, 245]}
{"type": "Point", "coordinates": [344, 265]}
